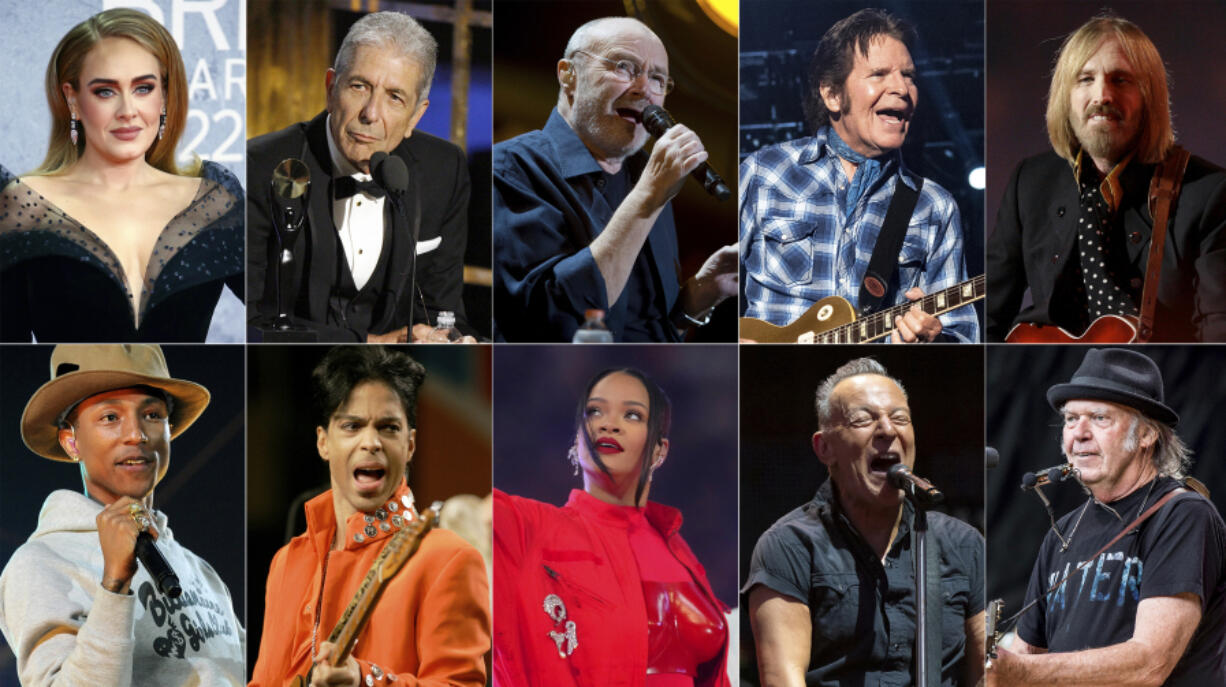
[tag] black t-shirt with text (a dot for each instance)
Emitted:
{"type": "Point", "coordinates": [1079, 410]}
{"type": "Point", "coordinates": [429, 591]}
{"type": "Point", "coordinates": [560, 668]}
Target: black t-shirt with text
{"type": "Point", "coordinates": [1179, 549]}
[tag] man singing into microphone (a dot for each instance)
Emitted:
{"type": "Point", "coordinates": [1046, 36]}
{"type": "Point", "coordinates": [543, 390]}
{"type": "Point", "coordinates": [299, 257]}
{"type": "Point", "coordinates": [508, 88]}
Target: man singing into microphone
{"type": "Point", "coordinates": [813, 210]}
{"type": "Point", "coordinates": [1149, 608]}
{"type": "Point", "coordinates": [582, 218]}
{"type": "Point", "coordinates": [431, 623]}
{"type": "Point", "coordinates": [74, 605]}
{"type": "Point", "coordinates": [350, 272]}
{"type": "Point", "coordinates": [831, 586]}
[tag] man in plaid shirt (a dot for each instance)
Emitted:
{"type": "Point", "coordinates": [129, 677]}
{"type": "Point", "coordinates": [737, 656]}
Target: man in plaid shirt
{"type": "Point", "coordinates": [811, 209]}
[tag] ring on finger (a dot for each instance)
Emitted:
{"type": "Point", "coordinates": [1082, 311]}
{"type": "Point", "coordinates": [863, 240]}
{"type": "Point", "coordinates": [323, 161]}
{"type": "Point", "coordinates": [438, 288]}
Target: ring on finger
{"type": "Point", "coordinates": [142, 521]}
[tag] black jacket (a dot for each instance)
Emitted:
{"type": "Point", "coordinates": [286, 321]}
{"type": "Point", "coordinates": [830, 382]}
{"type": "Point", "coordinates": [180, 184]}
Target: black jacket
{"type": "Point", "coordinates": [438, 180]}
{"type": "Point", "coordinates": [1035, 239]}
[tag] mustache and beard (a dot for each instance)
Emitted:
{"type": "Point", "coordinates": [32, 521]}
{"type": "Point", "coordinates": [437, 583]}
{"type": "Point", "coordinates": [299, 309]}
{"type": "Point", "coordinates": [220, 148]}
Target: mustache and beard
{"type": "Point", "coordinates": [1110, 139]}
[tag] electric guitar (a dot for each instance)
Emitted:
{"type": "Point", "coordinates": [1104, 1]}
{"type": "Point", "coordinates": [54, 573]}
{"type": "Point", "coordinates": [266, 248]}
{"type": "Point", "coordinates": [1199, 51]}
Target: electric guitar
{"type": "Point", "coordinates": [398, 550]}
{"type": "Point", "coordinates": [833, 320]}
{"type": "Point", "coordinates": [990, 635]}
{"type": "Point", "coordinates": [1118, 329]}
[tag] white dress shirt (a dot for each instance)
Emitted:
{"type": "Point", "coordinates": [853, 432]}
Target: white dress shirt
{"type": "Point", "coordinates": [358, 219]}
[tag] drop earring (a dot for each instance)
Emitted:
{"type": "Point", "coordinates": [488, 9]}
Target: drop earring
{"type": "Point", "coordinates": [573, 456]}
{"type": "Point", "coordinates": [162, 124]}
{"type": "Point", "coordinates": [72, 127]}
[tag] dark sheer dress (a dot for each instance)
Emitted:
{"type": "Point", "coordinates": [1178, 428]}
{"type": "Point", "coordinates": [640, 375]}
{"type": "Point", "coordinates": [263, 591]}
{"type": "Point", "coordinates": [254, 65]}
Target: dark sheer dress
{"type": "Point", "coordinates": [59, 282]}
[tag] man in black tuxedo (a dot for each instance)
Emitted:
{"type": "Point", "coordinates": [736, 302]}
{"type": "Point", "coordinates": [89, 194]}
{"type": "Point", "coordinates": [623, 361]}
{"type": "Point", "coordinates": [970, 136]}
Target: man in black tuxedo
{"type": "Point", "coordinates": [1074, 225]}
{"type": "Point", "coordinates": [350, 276]}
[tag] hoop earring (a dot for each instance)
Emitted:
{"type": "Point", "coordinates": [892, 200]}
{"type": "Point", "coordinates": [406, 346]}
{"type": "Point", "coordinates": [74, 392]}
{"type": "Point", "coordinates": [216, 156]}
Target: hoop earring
{"type": "Point", "coordinates": [162, 124]}
{"type": "Point", "coordinates": [72, 128]}
{"type": "Point", "coordinates": [573, 456]}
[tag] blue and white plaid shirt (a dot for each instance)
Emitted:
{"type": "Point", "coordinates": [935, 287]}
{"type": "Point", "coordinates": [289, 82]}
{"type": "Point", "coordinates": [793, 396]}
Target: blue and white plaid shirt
{"type": "Point", "coordinates": [797, 248]}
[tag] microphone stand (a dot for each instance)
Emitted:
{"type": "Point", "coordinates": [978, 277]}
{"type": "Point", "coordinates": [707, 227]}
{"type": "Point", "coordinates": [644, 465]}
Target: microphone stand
{"type": "Point", "coordinates": [920, 528]}
{"type": "Point", "coordinates": [922, 494]}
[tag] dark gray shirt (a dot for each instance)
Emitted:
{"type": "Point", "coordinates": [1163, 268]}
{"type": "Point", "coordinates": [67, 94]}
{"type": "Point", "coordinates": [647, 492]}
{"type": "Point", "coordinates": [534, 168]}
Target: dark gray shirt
{"type": "Point", "coordinates": [863, 611]}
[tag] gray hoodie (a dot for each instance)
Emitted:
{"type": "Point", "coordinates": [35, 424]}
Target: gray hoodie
{"type": "Point", "coordinates": [67, 630]}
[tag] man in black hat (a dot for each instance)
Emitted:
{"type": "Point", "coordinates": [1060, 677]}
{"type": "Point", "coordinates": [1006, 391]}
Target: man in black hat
{"type": "Point", "coordinates": [1148, 607]}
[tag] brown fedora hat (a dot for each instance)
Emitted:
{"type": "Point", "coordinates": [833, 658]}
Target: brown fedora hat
{"type": "Point", "coordinates": [79, 371]}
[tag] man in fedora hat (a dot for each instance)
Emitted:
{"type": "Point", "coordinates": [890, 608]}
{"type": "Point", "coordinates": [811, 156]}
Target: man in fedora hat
{"type": "Point", "coordinates": [1147, 607]}
{"type": "Point", "coordinates": [74, 605]}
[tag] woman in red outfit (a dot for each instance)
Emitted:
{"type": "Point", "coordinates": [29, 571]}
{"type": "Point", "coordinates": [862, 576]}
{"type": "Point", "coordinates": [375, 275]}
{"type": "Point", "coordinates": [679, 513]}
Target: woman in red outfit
{"type": "Point", "coordinates": [604, 591]}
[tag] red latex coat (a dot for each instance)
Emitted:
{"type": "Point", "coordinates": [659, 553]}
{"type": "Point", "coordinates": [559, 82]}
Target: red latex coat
{"type": "Point", "coordinates": [583, 558]}
{"type": "Point", "coordinates": [430, 627]}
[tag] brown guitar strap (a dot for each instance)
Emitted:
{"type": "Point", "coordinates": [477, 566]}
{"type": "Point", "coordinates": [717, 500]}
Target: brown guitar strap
{"type": "Point", "coordinates": [1163, 191]}
{"type": "Point", "coordinates": [1128, 528]}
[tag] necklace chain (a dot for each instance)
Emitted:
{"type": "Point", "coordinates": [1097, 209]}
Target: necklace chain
{"type": "Point", "coordinates": [1069, 541]}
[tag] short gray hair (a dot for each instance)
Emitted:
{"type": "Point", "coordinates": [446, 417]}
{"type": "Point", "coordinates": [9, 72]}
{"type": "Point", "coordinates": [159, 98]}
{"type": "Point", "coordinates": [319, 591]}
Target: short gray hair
{"type": "Point", "coordinates": [851, 368]}
{"type": "Point", "coordinates": [582, 40]}
{"type": "Point", "coordinates": [396, 30]}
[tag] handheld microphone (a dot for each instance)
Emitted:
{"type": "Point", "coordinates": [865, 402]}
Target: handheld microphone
{"type": "Point", "coordinates": [157, 567]}
{"type": "Point", "coordinates": [1058, 473]}
{"type": "Point", "coordinates": [914, 486]}
{"type": "Point", "coordinates": [656, 120]}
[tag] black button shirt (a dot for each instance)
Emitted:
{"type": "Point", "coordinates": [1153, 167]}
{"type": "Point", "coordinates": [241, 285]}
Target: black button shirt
{"type": "Point", "coordinates": [863, 611]}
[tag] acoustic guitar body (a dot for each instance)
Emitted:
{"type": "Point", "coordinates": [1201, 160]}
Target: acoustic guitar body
{"type": "Point", "coordinates": [1108, 329]}
{"type": "Point", "coordinates": [829, 312]}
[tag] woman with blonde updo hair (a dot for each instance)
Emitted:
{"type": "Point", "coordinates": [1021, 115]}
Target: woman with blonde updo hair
{"type": "Point", "coordinates": [109, 226]}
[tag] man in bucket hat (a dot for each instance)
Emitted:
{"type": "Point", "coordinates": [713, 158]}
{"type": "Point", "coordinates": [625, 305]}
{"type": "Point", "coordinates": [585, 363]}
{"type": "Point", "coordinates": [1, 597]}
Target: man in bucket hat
{"type": "Point", "coordinates": [1148, 607]}
{"type": "Point", "coordinates": [74, 604]}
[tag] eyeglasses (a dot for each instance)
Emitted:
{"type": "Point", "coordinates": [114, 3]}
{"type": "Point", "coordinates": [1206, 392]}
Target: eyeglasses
{"type": "Point", "coordinates": [629, 71]}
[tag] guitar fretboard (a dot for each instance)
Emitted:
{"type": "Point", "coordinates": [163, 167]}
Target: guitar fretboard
{"type": "Point", "coordinates": [395, 553]}
{"type": "Point", "coordinates": [880, 324]}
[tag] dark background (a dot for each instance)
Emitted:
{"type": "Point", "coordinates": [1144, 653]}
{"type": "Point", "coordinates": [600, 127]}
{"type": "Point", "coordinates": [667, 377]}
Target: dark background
{"type": "Point", "coordinates": [945, 140]}
{"type": "Point", "coordinates": [452, 457]}
{"type": "Point", "coordinates": [1026, 431]}
{"type": "Point", "coordinates": [1024, 37]}
{"type": "Point", "coordinates": [538, 389]}
{"type": "Point", "coordinates": [202, 493]}
{"type": "Point", "coordinates": [779, 471]}
{"type": "Point", "coordinates": [292, 43]}
{"type": "Point", "coordinates": [529, 39]}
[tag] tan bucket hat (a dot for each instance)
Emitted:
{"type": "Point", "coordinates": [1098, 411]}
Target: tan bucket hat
{"type": "Point", "coordinates": [79, 371]}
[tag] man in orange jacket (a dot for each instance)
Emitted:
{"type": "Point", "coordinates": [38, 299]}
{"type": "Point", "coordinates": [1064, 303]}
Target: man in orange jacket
{"type": "Point", "coordinates": [431, 625]}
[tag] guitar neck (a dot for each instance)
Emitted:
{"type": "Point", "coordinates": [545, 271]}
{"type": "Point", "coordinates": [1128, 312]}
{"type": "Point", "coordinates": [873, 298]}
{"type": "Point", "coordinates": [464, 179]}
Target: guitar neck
{"type": "Point", "coordinates": [879, 324]}
{"type": "Point", "coordinates": [390, 560]}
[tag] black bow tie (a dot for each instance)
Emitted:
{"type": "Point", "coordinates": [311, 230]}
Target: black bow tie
{"type": "Point", "coordinates": [344, 187]}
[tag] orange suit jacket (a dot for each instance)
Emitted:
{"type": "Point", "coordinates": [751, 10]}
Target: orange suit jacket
{"type": "Point", "coordinates": [431, 626]}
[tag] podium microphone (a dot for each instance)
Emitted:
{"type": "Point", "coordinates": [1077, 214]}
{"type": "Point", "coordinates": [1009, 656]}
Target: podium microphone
{"type": "Point", "coordinates": [391, 173]}
{"type": "Point", "coordinates": [916, 487]}
{"type": "Point", "coordinates": [157, 567]}
{"type": "Point", "coordinates": [656, 120]}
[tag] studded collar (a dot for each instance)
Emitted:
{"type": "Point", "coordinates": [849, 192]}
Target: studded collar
{"type": "Point", "coordinates": [361, 528]}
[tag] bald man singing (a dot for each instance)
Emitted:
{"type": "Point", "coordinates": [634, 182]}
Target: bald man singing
{"type": "Point", "coordinates": [582, 218]}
